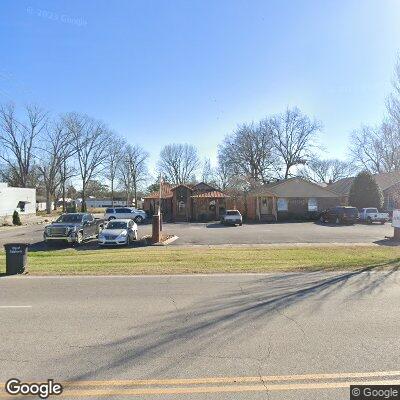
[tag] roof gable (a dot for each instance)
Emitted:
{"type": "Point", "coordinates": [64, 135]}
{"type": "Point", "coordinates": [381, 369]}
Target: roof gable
{"type": "Point", "coordinates": [202, 186]}
{"type": "Point", "coordinates": [298, 187]}
{"type": "Point", "coordinates": [384, 180]}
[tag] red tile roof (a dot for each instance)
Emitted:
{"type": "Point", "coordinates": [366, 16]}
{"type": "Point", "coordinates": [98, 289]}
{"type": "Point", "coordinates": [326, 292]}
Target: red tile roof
{"type": "Point", "coordinates": [215, 194]}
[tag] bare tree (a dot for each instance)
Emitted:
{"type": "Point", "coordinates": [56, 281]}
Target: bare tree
{"type": "Point", "coordinates": [294, 136]}
{"type": "Point", "coordinates": [207, 174]}
{"type": "Point", "coordinates": [90, 143]}
{"type": "Point", "coordinates": [393, 101]}
{"type": "Point", "coordinates": [18, 141]}
{"type": "Point", "coordinates": [377, 149]}
{"type": "Point", "coordinates": [248, 151]}
{"type": "Point", "coordinates": [67, 171]}
{"type": "Point", "coordinates": [326, 171]}
{"type": "Point", "coordinates": [113, 160]}
{"type": "Point", "coordinates": [178, 162]}
{"type": "Point", "coordinates": [53, 152]}
{"type": "Point", "coordinates": [223, 175]}
{"type": "Point", "coordinates": [133, 170]}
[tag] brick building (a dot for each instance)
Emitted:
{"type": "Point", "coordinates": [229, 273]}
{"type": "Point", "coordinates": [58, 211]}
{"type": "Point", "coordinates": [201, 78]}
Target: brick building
{"type": "Point", "coordinates": [200, 202]}
{"type": "Point", "coordinates": [389, 183]}
{"type": "Point", "coordinates": [294, 198]}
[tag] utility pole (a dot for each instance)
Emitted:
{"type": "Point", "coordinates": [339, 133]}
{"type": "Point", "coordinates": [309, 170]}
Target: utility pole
{"type": "Point", "coordinates": [159, 197]}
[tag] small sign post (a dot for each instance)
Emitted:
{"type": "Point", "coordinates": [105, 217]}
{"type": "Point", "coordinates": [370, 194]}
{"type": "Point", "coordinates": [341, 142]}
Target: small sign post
{"type": "Point", "coordinates": [396, 224]}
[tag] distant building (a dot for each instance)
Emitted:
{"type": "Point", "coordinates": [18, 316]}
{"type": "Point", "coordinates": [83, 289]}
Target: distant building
{"type": "Point", "coordinates": [101, 203]}
{"type": "Point", "coordinates": [13, 199]}
{"type": "Point", "coordinates": [389, 182]}
{"type": "Point", "coordinates": [293, 198]}
{"type": "Point", "coordinates": [200, 202]}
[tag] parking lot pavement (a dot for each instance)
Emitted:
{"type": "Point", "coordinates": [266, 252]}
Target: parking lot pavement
{"type": "Point", "coordinates": [214, 233]}
{"type": "Point", "coordinates": [305, 232]}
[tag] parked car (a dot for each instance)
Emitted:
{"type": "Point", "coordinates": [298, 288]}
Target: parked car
{"type": "Point", "coordinates": [232, 217]}
{"type": "Point", "coordinates": [118, 232]}
{"type": "Point", "coordinates": [73, 228]}
{"type": "Point", "coordinates": [370, 215]}
{"type": "Point", "coordinates": [125, 213]}
{"type": "Point", "coordinates": [340, 215]}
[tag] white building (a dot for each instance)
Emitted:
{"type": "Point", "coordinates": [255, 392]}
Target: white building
{"type": "Point", "coordinates": [22, 200]}
{"type": "Point", "coordinates": [100, 203]}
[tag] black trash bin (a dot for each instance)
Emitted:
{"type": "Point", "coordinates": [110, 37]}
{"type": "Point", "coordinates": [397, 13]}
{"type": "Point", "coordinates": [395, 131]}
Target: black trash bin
{"type": "Point", "coordinates": [16, 258]}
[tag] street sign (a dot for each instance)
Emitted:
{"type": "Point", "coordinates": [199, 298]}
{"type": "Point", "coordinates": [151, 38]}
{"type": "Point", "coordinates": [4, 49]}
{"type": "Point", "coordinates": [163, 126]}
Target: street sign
{"type": "Point", "coordinates": [396, 219]}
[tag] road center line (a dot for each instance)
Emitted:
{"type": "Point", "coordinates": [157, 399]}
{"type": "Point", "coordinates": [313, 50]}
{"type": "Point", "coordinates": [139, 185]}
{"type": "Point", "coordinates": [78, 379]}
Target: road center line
{"type": "Point", "coordinates": [220, 389]}
{"type": "Point", "coordinates": [15, 306]}
{"type": "Point", "coordinates": [235, 379]}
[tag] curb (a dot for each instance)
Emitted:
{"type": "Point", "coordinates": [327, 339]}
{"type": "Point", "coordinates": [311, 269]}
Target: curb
{"type": "Point", "coordinates": [167, 242]}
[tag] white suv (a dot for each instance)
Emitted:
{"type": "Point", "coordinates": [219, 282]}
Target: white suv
{"type": "Point", "coordinates": [125, 213]}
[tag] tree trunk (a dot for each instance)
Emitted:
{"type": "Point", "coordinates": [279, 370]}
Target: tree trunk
{"type": "Point", "coordinates": [63, 197]}
{"type": "Point", "coordinates": [83, 204]}
{"type": "Point", "coordinates": [112, 193]}
{"type": "Point", "coordinates": [135, 194]}
{"type": "Point", "coordinates": [287, 172]}
{"type": "Point", "coordinates": [48, 202]}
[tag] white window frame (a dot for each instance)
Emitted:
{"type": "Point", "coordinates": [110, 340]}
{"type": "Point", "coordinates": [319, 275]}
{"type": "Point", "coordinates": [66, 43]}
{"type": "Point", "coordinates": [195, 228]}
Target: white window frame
{"type": "Point", "coordinates": [282, 204]}
{"type": "Point", "coordinates": [312, 204]}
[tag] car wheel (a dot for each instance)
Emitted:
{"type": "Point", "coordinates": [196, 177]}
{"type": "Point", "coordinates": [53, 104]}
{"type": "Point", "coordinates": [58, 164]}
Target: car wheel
{"type": "Point", "coordinates": [111, 218]}
{"type": "Point", "coordinates": [139, 219]}
{"type": "Point", "coordinates": [322, 219]}
{"type": "Point", "coordinates": [240, 224]}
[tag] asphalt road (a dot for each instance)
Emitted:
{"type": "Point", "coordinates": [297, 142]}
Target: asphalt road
{"type": "Point", "coordinates": [243, 336]}
{"type": "Point", "coordinates": [215, 233]}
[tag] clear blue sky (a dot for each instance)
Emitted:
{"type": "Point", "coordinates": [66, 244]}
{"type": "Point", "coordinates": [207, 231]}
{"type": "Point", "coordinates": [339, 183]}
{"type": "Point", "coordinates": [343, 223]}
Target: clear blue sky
{"type": "Point", "coordinates": [189, 71]}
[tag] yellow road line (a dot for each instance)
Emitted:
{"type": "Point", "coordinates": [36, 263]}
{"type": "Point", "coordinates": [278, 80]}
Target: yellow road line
{"type": "Point", "coordinates": [234, 379]}
{"type": "Point", "coordinates": [219, 389]}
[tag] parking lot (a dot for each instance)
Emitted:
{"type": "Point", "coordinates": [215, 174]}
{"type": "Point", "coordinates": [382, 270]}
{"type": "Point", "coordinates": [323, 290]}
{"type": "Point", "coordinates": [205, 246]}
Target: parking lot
{"type": "Point", "coordinates": [217, 234]}
{"type": "Point", "coordinates": [305, 232]}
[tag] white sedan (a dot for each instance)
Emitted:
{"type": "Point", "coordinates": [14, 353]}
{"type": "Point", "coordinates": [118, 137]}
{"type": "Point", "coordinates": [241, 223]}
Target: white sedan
{"type": "Point", "coordinates": [118, 232]}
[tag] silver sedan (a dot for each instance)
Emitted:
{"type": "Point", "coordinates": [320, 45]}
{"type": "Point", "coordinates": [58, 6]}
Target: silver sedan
{"type": "Point", "coordinates": [118, 232]}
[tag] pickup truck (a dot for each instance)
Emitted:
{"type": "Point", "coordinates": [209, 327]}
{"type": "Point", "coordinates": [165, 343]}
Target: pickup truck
{"type": "Point", "coordinates": [371, 214]}
{"type": "Point", "coordinates": [232, 217]}
{"type": "Point", "coordinates": [73, 228]}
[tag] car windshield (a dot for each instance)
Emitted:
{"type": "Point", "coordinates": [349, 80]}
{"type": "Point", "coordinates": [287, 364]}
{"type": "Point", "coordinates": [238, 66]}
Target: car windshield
{"type": "Point", "coordinates": [117, 225]}
{"type": "Point", "coordinates": [232, 213]}
{"type": "Point", "coordinates": [70, 218]}
{"type": "Point", "coordinates": [350, 211]}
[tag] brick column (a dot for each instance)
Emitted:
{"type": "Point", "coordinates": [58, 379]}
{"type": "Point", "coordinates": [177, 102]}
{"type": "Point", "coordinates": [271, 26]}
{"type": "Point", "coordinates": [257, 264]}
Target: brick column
{"type": "Point", "coordinates": [156, 232]}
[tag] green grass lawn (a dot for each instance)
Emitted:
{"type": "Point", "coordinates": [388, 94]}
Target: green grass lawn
{"type": "Point", "coordinates": [170, 260]}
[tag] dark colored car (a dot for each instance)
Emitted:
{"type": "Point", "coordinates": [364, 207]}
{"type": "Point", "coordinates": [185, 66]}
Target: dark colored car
{"type": "Point", "coordinates": [340, 215]}
{"type": "Point", "coordinates": [73, 228]}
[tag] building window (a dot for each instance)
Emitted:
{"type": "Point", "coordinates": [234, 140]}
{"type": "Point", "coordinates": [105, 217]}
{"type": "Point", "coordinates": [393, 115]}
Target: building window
{"type": "Point", "coordinates": [312, 204]}
{"type": "Point", "coordinates": [21, 206]}
{"type": "Point", "coordinates": [282, 205]}
{"type": "Point", "coordinates": [390, 203]}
